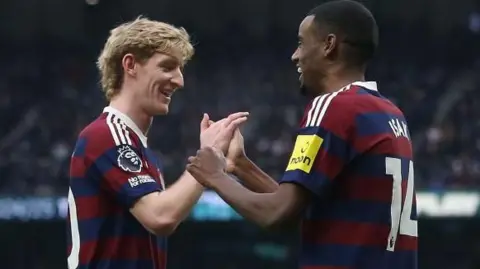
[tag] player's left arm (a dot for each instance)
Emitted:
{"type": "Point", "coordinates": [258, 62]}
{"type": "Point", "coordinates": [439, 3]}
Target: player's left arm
{"type": "Point", "coordinates": [282, 208]}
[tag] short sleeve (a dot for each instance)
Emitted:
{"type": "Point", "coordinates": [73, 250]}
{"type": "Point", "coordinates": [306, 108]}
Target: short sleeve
{"type": "Point", "coordinates": [123, 173]}
{"type": "Point", "coordinates": [322, 148]}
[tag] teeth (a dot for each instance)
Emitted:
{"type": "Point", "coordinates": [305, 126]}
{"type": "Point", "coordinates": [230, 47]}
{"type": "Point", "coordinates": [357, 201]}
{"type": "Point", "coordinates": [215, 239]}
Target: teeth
{"type": "Point", "coordinates": [299, 70]}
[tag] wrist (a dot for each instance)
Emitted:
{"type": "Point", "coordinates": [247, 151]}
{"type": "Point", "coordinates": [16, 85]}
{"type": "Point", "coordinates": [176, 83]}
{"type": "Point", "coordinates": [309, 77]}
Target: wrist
{"type": "Point", "coordinates": [216, 179]}
{"type": "Point", "coordinates": [241, 164]}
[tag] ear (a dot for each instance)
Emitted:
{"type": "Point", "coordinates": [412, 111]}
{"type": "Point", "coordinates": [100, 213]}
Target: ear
{"type": "Point", "coordinates": [330, 45]}
{"type": "Point", "coordinates": [129, 64]}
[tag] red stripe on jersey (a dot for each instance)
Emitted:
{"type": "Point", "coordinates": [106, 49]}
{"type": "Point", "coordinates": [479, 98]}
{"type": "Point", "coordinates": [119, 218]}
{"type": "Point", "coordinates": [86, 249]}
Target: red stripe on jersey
{"type": "Point", "coordinates": [338, 110]}
{"type": "Point", "coordinates": [122, 248]}
{"type": "Point", "coordinates": [368, 189]}
{"type": "Point", "coordinates": [77, 167]}
{"type": "Point", "coordinates": [103, 140]}
{"type": "Point", "coordinates": [383, 144]}
{"type": "Point", "coordinates": [116, 178]}
{"type": "Point", "coordinates": [362, 234]}
{"type": "Point", "coordinates": [329, 165]}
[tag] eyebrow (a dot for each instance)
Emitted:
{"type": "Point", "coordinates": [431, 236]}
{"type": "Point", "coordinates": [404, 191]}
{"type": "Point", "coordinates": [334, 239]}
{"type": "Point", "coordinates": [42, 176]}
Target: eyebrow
{"type": "Point", "coordinates": [169, 61]}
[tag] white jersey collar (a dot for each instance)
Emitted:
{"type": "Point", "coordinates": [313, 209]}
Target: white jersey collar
{"type": "Point", "coordinates": [369, 85]}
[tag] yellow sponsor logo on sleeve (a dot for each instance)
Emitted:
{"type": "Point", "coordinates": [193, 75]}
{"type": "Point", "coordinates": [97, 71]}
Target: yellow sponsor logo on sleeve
{"type": "Point", "coordinates": [304, 153]}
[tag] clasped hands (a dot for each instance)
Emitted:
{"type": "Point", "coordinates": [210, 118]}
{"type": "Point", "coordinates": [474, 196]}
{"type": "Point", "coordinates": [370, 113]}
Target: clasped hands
{"type": "Point", "coordinates": [221, 146]}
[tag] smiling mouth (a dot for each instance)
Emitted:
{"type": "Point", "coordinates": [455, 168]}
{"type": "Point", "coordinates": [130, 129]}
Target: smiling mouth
{"type": "Point", "coordinates": [300, 72]}
{"type": "Point", "coordinates": [167, 93]}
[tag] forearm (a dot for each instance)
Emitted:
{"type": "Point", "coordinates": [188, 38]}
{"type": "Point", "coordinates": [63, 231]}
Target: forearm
{"type": "Point", "coordinates": [259, 208]}
{"type": "Point", "coordinates": [178, 200]}
{"type": "Point", "coordinates": [253, 177]}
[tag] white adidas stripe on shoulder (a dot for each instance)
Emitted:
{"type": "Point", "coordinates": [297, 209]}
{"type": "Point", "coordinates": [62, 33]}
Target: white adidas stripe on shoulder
{"type": "Point", "coordinates": [319, 108]}
{"type": "Point", "coordinates": [310, 111]}
{"type": "Point", "coordinates": [125, 130]}
{"type": "Point", "coordinates": [118, 130]}
{"type": "Point", "coordinates": [112, 128]}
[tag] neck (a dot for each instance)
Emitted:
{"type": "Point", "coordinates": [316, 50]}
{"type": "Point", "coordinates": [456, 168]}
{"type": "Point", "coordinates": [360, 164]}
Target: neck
{"type": "Point", "coordinates": [340, 78]}
{"type": "Point", "coordinates": [127, 107]}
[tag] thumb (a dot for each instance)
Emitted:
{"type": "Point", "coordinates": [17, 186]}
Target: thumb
{"type": "Point", "coordinates": [205, 122]}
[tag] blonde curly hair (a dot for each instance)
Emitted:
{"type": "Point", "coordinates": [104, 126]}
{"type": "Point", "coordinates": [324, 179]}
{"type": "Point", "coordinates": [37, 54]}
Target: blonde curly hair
{"type": "Point", "coordinates": [143, 38]}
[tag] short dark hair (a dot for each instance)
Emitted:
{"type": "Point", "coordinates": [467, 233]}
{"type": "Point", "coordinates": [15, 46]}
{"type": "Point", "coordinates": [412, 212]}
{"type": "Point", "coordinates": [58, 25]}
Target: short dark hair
{"type": "Point", "coordinates": [353, 23]}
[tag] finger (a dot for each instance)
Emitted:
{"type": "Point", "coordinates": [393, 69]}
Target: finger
{"type": "Point", "coordinates": [192, 159]}
{"type": "Point", "coordinates": [218, 124]}
{"type": "Point", "coordinates": [235, 116]}
{"type": "Point", "coordinates": [209, 150]}
{"type": "Point", "coordinates": [191, 169]}
{"type": "Point", "coordinates": [236, 124]}
{"type": "Point", "coordinates": [210, 122]}
{"type": "Point", "coordinates": [204, 124]}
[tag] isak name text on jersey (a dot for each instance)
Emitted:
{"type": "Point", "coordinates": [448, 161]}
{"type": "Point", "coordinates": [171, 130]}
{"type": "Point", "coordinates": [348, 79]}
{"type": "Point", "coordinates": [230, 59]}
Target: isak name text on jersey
{"type": "Point", "coordinates": [399, 128]}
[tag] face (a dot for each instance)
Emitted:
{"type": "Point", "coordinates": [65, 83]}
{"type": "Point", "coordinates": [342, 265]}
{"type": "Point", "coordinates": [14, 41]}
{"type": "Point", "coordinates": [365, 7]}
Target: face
{"type": "Point", "coordinates": [310, 57]}
{"type": "Point", "coordinates": [155, 81]}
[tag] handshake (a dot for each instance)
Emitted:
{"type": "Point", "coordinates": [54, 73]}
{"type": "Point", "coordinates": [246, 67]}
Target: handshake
{"type": "Point", "coordinates": [221, 147]}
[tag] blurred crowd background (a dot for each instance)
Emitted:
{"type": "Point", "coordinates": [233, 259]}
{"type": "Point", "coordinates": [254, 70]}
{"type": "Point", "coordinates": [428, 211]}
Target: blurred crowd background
{"type": "Point", "coordinates": [428, 63]}
{"type": "Point", "coordinates": [48, 95]}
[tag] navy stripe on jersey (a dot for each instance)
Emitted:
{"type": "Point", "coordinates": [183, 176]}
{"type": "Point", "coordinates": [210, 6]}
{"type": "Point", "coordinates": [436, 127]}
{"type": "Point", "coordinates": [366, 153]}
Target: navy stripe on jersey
{"type": "Point", "coordinates": [80, 146]}
{"type": "Point", "coordinates": [316, 186]}
{"type": "Point", "coordinates": [93, 227]}
{"type": "Point", "coordinates": [373, 165]}
{"type": "Point", "coordinates": [373, 123]}
{"type": "Point", "coordinates": [85, 187]}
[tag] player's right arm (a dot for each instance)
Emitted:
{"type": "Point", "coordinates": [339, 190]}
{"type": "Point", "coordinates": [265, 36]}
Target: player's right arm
{"type": "Point", "coordinates": [162, 212]}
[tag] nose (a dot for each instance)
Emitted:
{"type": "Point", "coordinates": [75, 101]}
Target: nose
{"type": "Point", "coordinates": [295, 56]}
{"type": "Point", "coordinates": [177, 79]}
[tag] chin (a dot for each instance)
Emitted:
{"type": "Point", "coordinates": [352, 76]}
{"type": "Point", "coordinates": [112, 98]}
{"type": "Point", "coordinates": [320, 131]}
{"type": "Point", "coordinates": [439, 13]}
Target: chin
{"type": "Point", "coordinates": [159, 110]}
{"type": "Point", "coordinates": [162, 111]}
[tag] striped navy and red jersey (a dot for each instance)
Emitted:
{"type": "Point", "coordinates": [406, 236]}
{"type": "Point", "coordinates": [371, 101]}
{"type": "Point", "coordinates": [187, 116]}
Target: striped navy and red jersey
{"type": "Point", "coordinates": [111, 168]}
{"type": "Point", "coordinates": [353, 153]}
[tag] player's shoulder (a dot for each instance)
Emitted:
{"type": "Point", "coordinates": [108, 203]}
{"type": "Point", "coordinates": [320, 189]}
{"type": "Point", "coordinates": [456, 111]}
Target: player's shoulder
{"type": "Point", "coordinates": [329, 109]}
{"type": "Point", "coordinates": [367, 98]}
{"type": "Point", "coordinates": [107, 131]}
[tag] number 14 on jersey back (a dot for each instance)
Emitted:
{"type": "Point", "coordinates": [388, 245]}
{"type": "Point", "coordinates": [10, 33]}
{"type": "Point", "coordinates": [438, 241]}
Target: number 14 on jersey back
{"type": "Point", "coordinates": [401, 223]}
